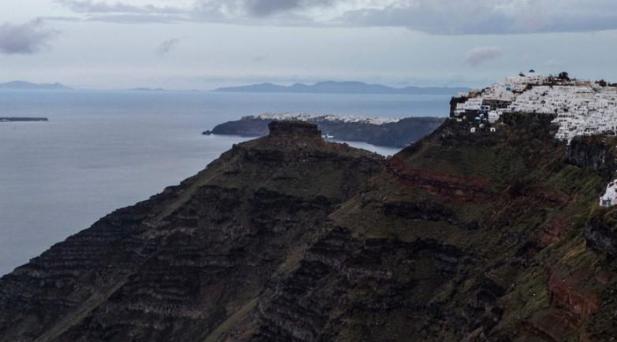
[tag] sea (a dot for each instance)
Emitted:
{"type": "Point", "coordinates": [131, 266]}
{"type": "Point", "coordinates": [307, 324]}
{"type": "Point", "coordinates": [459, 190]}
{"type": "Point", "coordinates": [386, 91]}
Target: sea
{"type": "Point", "coordinates": [103, 150]}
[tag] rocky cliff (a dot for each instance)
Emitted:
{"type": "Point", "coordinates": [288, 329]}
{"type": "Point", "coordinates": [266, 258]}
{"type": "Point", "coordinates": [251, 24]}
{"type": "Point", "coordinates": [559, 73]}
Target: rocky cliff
{"type": "Point", "coordinates": [460, 237]}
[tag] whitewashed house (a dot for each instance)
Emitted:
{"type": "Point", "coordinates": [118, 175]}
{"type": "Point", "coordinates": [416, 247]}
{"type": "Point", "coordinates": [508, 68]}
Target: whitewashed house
{"type": "Point", "coordinates": [579, 108]}
{"type": "Point", "coordinates": [609, 198]}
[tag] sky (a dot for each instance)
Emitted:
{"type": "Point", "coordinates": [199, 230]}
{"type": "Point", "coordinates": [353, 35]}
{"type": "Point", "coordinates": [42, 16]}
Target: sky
{"type": "Point", "coordinates": [203, 44]}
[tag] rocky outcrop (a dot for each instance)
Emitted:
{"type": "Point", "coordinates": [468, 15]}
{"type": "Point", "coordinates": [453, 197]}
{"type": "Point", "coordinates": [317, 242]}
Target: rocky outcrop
{"type": "Point", "coordinates": [293, 129]}
{"type": "Point", "coordinates": [601, 236]}
{"type": "Point", "coordinates": [593, 152]}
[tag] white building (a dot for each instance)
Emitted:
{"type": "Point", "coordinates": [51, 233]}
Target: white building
{"type": "Point", "coordinates": [609, 198]}
{"type": "Point", "coordinates": [580, 108]}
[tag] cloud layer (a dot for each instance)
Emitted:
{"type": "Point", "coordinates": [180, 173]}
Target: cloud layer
{"type": "Point", "coordinates": [25, 38]}
{"type": "Point", "coordinates": [262, 8]}
{"type": "Point", "coordinates": [102, 6]}
{"type": "Point", "coordinates": [451, 17]}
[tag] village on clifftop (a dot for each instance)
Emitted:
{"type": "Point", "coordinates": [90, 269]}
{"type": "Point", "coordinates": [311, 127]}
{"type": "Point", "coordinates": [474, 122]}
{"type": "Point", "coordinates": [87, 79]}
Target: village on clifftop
{"type": "Point", "coordinates": [580, 108]}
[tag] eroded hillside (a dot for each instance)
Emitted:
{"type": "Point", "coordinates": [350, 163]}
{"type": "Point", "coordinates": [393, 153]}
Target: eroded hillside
{"type": "Point", "coordinates": [485, 236]}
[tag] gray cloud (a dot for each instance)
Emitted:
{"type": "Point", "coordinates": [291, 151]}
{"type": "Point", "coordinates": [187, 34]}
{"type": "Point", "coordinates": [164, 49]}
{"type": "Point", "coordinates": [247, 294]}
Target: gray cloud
{"type": "Point", "coordinates": [123, 13]}
{"type": "Point", "coordinates": [167, 46]}
{"type": "Point", "coordinates": [263, 8]}
{"type": "Point", "coordinates": [98, 6]}
{"type": "Point", "coordinates": [136, 18]}
{"type": "Point", "coordinates": [268, 7]}
{"type": "Point", "coordinates": [453, 17]}
{"type": "Point", "coordinates": [449, 17]}
{"type": "Point", "coordinates": [481, 55]}
{"type": "Point", "coordinates": [25, 38]}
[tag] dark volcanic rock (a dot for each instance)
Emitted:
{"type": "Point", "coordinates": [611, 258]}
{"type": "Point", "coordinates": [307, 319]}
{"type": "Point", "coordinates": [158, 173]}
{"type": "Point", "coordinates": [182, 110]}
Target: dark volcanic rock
{"type": "Point", "coordinates": [601, 236]}
{"type": "Point", "coordinates": [294, 128]}
{"type": "Point", "coordinates": [180, 264]}
{"type": "Point", "coordinates": [246, 127]}
{"type": "Point", "coordinates": [593, 152]}
{"type": "Point", "coordinates": [460, 237]}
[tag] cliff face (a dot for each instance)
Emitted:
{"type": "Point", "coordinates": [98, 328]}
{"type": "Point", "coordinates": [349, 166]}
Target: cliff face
{"type": "Point", "coordinates": [179, 265]}
{"type": "Point", "coordinates": [460, 237]}
{"type": "Point", "coordinates": [464, 237]}
{"type": "Point", "coordinates": [594, 152]}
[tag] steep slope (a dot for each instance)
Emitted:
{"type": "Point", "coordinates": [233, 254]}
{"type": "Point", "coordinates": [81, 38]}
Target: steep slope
{"type": "Point", "coordinates": [178, 265]}
{"type": "Point", "coordinates": [465, 237]}
{"type": "Point", "coordinates": [486, 236]}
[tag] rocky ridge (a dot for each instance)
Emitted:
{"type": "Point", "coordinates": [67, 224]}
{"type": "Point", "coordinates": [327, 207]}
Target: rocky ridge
{"type": "Point", "coordinates": [179, 265]}
{"type": "Point", "coordinates": [486, 236]}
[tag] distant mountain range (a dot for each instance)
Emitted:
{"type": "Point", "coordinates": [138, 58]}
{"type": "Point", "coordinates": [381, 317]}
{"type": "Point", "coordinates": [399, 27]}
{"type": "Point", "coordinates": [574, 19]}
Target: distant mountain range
{"type": "Point", "coordinates": [329, 87]}
{"type": "Point", "coordinates": [342, 88]}
{"type": "Point", "coordinates": [148, 89]}
{"type": "Point", "coordinates": [23, 85]}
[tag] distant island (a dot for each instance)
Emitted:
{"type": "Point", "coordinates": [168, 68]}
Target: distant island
{"type": "Point", "coordinates": [23, 85]}
{"type": "Point", "coordinates": [331, 87]}
{"type": "Point", "coordinates": [22, 119]}
{"type": "Point", "coordinates": [384, 132]}
{"type": "Point", "coordinates": [148, 89]}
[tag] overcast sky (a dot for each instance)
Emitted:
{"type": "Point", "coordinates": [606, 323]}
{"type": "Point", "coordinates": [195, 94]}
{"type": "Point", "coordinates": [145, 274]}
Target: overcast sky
{"type": "Point", "coordinates": [200, 44]}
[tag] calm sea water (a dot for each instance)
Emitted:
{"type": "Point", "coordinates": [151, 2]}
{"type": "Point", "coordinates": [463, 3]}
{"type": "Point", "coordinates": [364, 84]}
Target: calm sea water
{"type": "Point", "coordinates": [104, 150]}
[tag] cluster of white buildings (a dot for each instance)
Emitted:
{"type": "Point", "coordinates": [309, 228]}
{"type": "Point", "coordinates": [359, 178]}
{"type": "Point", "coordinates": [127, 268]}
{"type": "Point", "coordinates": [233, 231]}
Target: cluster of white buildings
{"type": "Point", "coordinates": [580, 108]}
{"type": "Point", "coordinates": [326, 117]}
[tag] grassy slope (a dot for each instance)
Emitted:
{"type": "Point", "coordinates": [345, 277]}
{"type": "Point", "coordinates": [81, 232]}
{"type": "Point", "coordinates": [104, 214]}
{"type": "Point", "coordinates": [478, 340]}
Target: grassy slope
{"type": "Point", "coordinates": [523, 226]}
